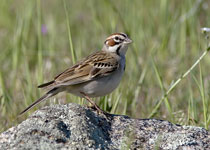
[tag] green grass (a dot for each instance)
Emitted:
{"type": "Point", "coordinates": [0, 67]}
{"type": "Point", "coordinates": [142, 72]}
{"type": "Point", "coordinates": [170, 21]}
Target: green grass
{"type": "Point", "coordinates": [167, 42]}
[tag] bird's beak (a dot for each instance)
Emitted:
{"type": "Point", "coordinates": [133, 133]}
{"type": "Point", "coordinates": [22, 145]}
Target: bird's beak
{"type": "Point", "coordinates": [128, 41]}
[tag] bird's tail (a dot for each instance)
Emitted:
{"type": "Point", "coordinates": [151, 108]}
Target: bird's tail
{"type": "Point", "coordinates": [45, 85]}
{"type": "Point", "coordinates": [49, 94]}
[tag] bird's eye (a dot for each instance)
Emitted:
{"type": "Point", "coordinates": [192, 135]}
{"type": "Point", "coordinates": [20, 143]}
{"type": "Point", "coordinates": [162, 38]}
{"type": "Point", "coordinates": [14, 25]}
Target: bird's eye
{"type": "Point", "coordinates": [116, 38]}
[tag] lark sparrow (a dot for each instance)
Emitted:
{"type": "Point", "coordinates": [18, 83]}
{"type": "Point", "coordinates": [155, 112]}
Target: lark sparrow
{"type": "Point", "coordinates": [96, 75]}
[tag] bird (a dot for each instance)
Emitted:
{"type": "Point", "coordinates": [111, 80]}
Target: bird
{"type": "Point", "coordinates": [94, 76]}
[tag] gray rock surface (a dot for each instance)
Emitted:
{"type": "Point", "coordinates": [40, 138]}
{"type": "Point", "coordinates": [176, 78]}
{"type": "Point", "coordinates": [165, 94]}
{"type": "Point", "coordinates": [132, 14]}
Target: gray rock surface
{"type": "Point", "coordinates": [73, 126]}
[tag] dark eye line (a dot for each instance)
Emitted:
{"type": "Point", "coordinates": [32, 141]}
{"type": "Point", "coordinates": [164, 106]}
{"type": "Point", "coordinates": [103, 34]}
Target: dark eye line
{"type": "Point", "coordinates": [118, 40]}
{"type": "Point", "coordinates": [114, 41]}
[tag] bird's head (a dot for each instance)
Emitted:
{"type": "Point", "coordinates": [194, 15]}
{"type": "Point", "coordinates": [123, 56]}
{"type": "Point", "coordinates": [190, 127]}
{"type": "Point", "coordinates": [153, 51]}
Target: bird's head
{"type": "Point", "coordinates": [117, 43]}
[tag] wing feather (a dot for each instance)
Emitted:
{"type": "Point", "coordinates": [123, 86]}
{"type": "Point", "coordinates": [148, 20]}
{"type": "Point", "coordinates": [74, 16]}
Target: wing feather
{"type": "Point", "coordinates": [98, 64]}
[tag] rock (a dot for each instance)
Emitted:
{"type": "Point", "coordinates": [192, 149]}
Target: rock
{"type": "Point", "coordinates": [73, 126]}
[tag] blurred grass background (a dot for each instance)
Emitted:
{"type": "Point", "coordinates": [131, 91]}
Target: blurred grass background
{"type": "Point", "coordinates": [39, 39]}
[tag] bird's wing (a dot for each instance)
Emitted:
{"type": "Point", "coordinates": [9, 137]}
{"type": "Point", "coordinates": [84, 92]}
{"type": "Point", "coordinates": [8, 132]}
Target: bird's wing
{"type": "Point", "coordinates": [97, 65]}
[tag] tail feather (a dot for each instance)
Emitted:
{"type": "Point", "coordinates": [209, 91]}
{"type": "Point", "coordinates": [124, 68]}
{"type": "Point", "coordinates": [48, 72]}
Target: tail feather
{"type": "Point", "coordinates": [46, 84]}
{"type": "Point", "coordinates": [44, 97]}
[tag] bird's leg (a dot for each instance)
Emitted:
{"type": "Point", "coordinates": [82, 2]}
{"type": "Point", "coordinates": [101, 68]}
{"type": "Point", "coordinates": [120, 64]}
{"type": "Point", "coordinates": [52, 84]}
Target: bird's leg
{"type": "Point", "coordinates": [94, 106]}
